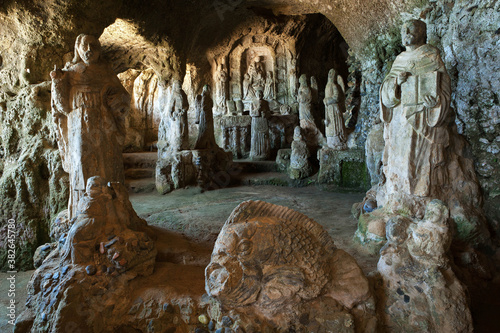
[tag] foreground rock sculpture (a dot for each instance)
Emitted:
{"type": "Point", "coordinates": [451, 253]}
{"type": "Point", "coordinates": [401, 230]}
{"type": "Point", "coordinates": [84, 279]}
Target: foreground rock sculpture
{"type": "Point", "coordinates": [420, 292]}
{"type": "Point", "coordinates": [424, 156]}
{"type": "Point", "coordinates": [274, 265]}
{"type": "Point", "coordinates": [177, 122]}
{"type": "Point", "coordinates": [89, 106]}
{"type": "Point", "coordinates": [335, 130]}
{"type": "Point", "coordinates": [91, 267]}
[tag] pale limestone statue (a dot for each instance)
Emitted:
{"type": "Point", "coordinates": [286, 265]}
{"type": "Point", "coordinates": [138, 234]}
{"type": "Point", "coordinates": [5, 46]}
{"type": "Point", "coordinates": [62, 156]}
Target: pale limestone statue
{"type": "Point", "coordinates": [177, 119]}
{"type": "Point", "coordinates": [260, 143]}
{"type": "Point", "coordinates": [271, 261]}
{"type": "Point", "coordinates": [269, 86]}
{"type": "Point", "coordinates": [89, 106]}
{"type": "Point", "coordinates": [334, 109]}
{"type": "Point", "coordinates": [312, 134]}
{"type": "Point", "coordinates": [257, 74]}
{"type": "Point", "coordinates": [421, 291]}
{"type": "Point", "coordinates": [248, 92]}
{"type": "Point", "coordinates": [415, 105]}
{"type": "Point", "coordinates": [300, 167]}
{"type": "Point", "coordinates": [205, 119]}
{"type": "Point", "coordinates": [220, 95]}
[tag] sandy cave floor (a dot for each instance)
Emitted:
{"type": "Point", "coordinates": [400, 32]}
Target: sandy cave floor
{"type": "Point", "coordinates": [186, 223]}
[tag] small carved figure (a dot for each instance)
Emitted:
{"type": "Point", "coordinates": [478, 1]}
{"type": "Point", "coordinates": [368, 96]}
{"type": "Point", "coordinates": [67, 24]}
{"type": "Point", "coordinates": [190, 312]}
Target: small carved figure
{"type": "Point", "coordinates": [334, 110]}
{"type": "Point", "coordinates": [204, 117]}
{"type": "Point", "coordinates": [260, 144]}
{"type": "Point", "coordinates": [221, 89]}
{"type": "Point", "coordinates": [269, 87]}
{"type": "Point", "coordinates": [257, 74]}
{"type": "Point", "coordinates": [89, 105]}
{"type": "Point", "coordinates": [314, 90]}
{"type": "Point", "coordinates": [177, 118]}
{"type": "Point", "coordinates": [299, 158]}
{"type": "Point", "coordinates": [248, 92]}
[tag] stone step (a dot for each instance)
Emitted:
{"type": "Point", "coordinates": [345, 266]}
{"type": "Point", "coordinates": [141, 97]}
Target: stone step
{"type": "Point", "coordinates": [145, 185]}
{"type": "Point", "coordinates": [249, 166]}
{"type": "Point", "coordinates": [139, 173]}
{"type": "Point", "coordinates": [141, 160]}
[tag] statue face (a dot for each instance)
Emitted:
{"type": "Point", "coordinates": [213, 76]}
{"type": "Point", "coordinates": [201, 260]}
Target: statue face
{"type": "Point", "coordinates": [413, 33]}
{"type": "Point", "coordinates": [89, 49]}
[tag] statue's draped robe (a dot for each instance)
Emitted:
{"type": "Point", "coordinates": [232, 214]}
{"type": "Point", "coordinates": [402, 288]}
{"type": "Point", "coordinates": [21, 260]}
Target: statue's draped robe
{"type": "Point", "coordinates": [260, 142]}
{"type": "Point", "coordinates": [178, 122]}
{"type": "Point", "coordinates": [204, 116]}
{"type": "Point", "coordinates": [89, 105]}
{"type": "Point", "coordinates": [416, 137]}
{"type": "Point", "coordinates": [335, 128]}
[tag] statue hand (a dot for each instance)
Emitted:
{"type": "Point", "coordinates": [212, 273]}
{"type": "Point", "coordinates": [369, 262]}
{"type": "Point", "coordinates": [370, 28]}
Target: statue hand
{"type": "Point", "coordinates": [430, 102]}
{"type": "Point", "coordinates": [56, 73]}
{"type": "Point", "coordinates": [402, 77]}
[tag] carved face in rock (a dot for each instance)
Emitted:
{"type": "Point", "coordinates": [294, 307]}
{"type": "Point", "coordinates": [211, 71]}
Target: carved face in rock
{"type": "Point", "coordinates": [297, 134]}
{"type": "Point", "coordinates": [235, 271]}
{"type": "Point", "coordinates": [95, 186]}
{"type": "Point", "coordinates": [89, 49]}
{"type": "Point", "coordinates": [303, 80]}
{"type": "Point", "coordinates": [332, 74]}
{"type": "Point", "coordinates": [413, 33]}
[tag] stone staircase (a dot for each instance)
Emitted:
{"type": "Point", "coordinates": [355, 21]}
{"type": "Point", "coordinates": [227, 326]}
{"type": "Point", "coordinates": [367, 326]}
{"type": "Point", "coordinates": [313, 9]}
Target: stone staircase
{"type": "Point", "coordinates": [140, 171]}
{"type": "Point", "coordinates": [248, 172]}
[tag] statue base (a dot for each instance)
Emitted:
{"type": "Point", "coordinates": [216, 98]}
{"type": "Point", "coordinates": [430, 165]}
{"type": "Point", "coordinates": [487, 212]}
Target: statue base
{"type": "Point", "coordinates": [343, 168]}
{"type": "Point", "coordinates": [206, 168]}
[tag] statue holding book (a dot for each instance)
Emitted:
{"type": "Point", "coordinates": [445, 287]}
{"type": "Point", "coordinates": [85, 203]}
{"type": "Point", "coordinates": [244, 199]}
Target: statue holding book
{"type": "Point", "coordinates": [415, 107]}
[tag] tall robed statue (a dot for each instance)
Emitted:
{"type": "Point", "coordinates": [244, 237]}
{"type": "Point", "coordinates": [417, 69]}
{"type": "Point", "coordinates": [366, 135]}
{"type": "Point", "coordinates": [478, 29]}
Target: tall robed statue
{"type": "Point", "coordinates": [89, 106]}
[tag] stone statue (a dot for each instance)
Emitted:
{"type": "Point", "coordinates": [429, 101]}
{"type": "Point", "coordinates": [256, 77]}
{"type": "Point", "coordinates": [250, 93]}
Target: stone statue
{"type": "Point", "coordinates": [272, 260]}
{"type": "Point", "coordinates": [314, 90]}
{"type": "Point", "coordinates": [257, 74]}
{"type": "Point", "coordinates": [248, 92]}
{"type": "Point", "coordinates": [89, 105]}
{"type": "Point", "coordinates": [221, 89]}
{"type": "Point", "coordinates": [421, 291]}
{"type": "Point", "coordinates": [204, 117]}
{"type": "Point", "coordinates": [424, 156]}
{"type": "Point", "coordinates": [269, 87]}
{"type": "Point", "coordinates": [300, 167]}
{"type": "Point", "coordinates": [260, 143]}
{"type": "Point", "coordinates": [292, 77]}
{"type": "Point", "coordinates": [334, 109]}
{"type": "Point", "coordinates": [177, 118]}
{"type": "Point", "coordinates": [313, 135]}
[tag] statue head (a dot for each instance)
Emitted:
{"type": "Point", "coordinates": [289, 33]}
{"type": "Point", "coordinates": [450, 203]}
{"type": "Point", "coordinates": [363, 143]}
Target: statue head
{"type": "Point", "coordinates": [256, 59]}
{"type": "Point", "coordinates": [87, 49]}
{"type": "Point", "coordinates": [177, 85]}
{"type": "Point", "coordinates": [259, 94]}
{"type": "Point", "coordinates": [95, 186]}
{"type": "Point", "coordinates": [303, 80]}
{"type": "Point", "coordinates": [414, 33]}
{"type": "Point", "coordinates": [332, 74]}
{"type": "Point", "coordinates": [206, 89]}
{"type": "Point", "coordinates": [297, 134]}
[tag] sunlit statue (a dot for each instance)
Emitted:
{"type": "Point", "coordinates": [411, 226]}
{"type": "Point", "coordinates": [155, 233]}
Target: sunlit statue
{"type": "Point", "coordinates": [89, 105]}
{"type": "Point", "coordinates": [260, 144]}
{"type": "Point", "coordinates": [300, 167]}
{"type": "Point", "coordinates": [334, 109]}
{"type": "Point", "coordinates": [205, 119]}
{"type": "Point", "coordinates": [257, 74]}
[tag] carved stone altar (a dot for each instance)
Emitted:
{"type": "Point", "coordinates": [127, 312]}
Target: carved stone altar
{"type": "Point", "coordinates": [273, 265]}
{"type": "Point", "coordinates": [89, 105]}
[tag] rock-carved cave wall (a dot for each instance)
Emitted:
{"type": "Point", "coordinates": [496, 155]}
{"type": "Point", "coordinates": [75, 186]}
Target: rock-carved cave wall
{"type": "Point", "coordinates": [175, 38]}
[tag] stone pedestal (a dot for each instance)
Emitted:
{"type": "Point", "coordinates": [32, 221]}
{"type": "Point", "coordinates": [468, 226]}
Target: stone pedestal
{"type": "Point", "coordinates": [343, 168]}
{"type": "Point", "coordinates": [206, 168]}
